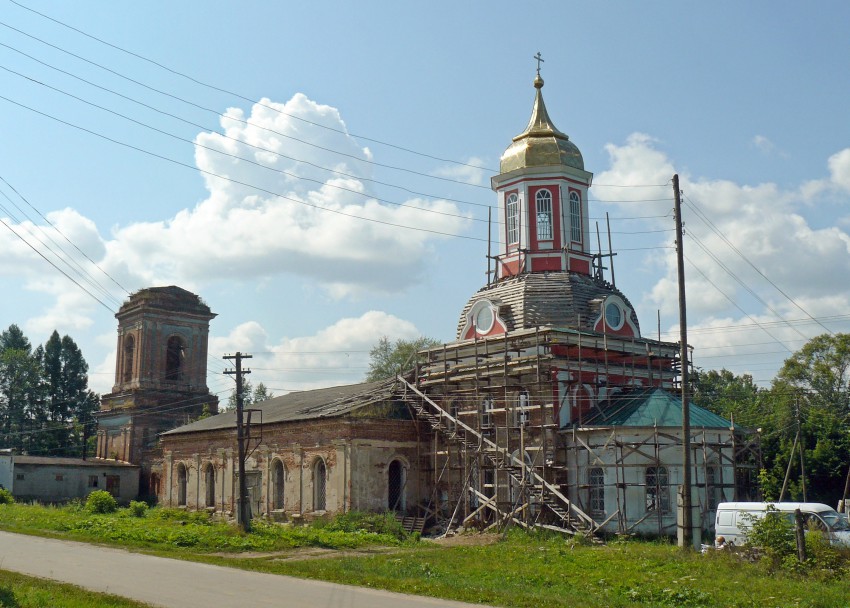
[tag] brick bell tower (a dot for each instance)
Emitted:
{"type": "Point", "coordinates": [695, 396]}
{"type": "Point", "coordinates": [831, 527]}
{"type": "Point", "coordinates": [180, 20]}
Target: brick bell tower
{"type": "Point", "coordinates": [160, 376]}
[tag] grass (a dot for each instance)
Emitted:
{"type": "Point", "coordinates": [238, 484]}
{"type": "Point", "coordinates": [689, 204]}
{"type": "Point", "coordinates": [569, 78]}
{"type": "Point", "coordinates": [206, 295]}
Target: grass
{"type": "Point", "coordinates": [178, 531]}
{"type": "Point", "coordinates": [541, 571]}
{"type": "Point", "coordinates": [522, 570]}
{"type": "Point", "coordinates": [19, 591]}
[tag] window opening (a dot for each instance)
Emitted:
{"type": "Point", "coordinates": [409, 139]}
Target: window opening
{"type": "Point", "coordinates": [596, 481]}
{"type": "Point", "coordinates": [319, 486]}
{"type": "Point", "coordinates": [181, 485]}
{"type": "Point", "coordinates": [174, 358]}
{"type": "Point", "coordinates": [93, 481]}
{"type": "Point", "coordinates": [209, 484]}
{"type": "Point", "coordinates": [711, 486]}
{"type": "Point", "coordinates": [396, 479]}
{"type": "Point", "coordinates": [113, 485]}
{"type": "Point", "coordinates": [129, 354]}
{"type": "Point", "coordinates": [575, 217]}
{"type": "Point", "coordinates": [487, 413]}
{"type": "Point", "coordinates": [657, 489]}
{"type": "Point", "coordinates": [512, 218]}
{"type": "Point", "coordinates": [277, 484]}
{"type": "Point", "coordinates": [544, 215]}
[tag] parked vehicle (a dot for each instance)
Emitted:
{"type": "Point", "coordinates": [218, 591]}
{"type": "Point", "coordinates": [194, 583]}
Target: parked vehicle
{"type": "Point", "coordinates": [733, 519]}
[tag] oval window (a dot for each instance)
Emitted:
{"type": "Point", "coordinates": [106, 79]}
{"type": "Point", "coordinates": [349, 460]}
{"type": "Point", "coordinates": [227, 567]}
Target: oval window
{"type": "Point", "coordinates": [613, 316]}
{"type": "Point", "coordinates": [484, 320]}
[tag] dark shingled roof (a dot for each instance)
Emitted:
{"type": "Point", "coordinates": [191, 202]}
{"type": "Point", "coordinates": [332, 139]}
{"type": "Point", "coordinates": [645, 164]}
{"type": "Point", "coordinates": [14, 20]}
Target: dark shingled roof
{"type": "Point", "coordinates": [541, 299]}
{"type": "Point", "coordinates": [303, 405]}
{"type": "Point", "coordinates": [647, 407]}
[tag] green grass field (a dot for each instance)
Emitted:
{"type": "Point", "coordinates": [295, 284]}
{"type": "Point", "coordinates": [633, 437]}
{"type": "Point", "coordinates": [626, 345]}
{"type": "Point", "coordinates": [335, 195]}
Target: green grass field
{"type": "Point", "coordinates": [521, 570]}
{"type": "Point", "coordinates": [19, 591]}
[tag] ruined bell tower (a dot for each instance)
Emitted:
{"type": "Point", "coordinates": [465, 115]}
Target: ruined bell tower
{"type": "Point", "coordinates": [160, 375]}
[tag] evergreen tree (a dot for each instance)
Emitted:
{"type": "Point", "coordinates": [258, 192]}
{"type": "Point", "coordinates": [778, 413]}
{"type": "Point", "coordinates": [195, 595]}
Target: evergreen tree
{"type": "Point", "coordinates": [21, 390]}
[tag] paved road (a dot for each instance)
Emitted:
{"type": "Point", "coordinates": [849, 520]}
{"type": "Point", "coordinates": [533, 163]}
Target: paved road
{"type": "Point", "coordinates": [178, 584]}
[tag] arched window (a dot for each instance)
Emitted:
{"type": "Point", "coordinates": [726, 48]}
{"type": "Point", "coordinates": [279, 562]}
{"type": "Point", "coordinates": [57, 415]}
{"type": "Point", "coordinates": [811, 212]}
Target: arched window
{"type": "Point", "coordinates": [396, 481]}
{"type": "Point", "coordinates": [512, 218]}
{"type": "Point", "coordinates": [181, 485]}
{"type": "Point", "coordinates": [657, 489]}
{"type": "Point", "coordinates": [175, 355]}
{"type": "Point", "coordinates": [278, 475]}
{"type": "Point", "coordinates": [319, 485]}
{"type": "Point", "coordinates": [209, 484]}
{"type": "Point", "coordinates": [129, 355]}
{"type": "Point", "coordinates": [575, 217]}
{"type": "Point", "coordinates": [596, 484]}
{"type": "Point", "coordinates": [543, 199]}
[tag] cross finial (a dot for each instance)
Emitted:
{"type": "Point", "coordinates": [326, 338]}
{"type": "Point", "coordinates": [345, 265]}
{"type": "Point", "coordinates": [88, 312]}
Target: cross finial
{"type": "Point", "coordinates": [539, 61]}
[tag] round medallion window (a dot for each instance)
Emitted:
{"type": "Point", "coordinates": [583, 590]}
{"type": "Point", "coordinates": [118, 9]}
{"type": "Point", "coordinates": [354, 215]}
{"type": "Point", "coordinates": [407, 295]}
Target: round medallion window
{"type": "Point", "coordinates": [484, 320]}
{"type": "Point", "coordinates": [613, 316]}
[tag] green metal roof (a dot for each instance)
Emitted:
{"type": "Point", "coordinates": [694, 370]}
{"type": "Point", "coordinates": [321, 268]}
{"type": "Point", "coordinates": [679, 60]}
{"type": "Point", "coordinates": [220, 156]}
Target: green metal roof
{"type": "Point", "coordinates": [646, 407]}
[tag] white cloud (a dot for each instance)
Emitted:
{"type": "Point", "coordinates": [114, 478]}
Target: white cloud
{"type": "Point", "coordinates": [471, 172]}
{"type": "Point", "coordinates": [770, 228]}
{"type": "Point", "coordinates": [764, 144]}
{"type": "Point", "coordinates": [267, 214]}
{"type": "Point", "coordinates": [337, 354]}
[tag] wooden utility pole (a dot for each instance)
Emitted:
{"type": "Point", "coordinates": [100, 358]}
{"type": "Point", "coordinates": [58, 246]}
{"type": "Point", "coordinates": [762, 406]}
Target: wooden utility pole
{"type": "Point", "coordinates": [686, 536]}
{"type": "Point", "coordinates": [243, 507]}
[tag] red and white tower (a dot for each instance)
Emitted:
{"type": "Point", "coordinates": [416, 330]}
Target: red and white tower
{"type": "Point", "coordinates": [542, 194]}
{"type": "Point", "coordinates": [544, 273]}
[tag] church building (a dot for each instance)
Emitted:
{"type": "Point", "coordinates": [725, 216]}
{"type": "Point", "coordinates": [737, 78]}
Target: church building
{"type": "Point", "coordinates": [550, 408]}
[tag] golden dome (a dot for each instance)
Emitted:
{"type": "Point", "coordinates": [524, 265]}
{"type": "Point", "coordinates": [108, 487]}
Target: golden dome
{"type": "Point", "coordinates": [541, 144]}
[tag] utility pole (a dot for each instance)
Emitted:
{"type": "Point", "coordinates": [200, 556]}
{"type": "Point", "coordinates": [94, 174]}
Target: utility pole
{"type": "Point", "coordinates": [802, 447]}
{"type": "Point", "coordinates": [686, 536]}
{"type": "Point", "coordinates": [243, 507]}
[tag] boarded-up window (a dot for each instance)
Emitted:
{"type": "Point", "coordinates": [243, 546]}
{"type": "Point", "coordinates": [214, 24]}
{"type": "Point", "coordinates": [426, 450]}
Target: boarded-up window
{"type": "Point", "coordinates": [93, 481]}
{"type": "Point", "coordinates": [113, 485]}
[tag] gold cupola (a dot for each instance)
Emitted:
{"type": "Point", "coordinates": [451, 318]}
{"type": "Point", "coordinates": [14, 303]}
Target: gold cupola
{"type": "Point", "coordinates": [541, 144]}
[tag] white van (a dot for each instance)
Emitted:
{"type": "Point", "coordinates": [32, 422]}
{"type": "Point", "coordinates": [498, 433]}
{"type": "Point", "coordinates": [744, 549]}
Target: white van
{"type": "Point", "coordinates": [735, 518]}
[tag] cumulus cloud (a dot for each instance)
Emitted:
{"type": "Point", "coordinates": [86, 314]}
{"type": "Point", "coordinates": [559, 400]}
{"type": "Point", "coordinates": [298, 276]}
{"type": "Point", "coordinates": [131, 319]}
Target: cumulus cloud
{"type": "Point", "coordinates": [746, 246]}
{"type": "Point", "coordinates": [337, 354]}
{"type": "Point", "coordinates": [285, 196]}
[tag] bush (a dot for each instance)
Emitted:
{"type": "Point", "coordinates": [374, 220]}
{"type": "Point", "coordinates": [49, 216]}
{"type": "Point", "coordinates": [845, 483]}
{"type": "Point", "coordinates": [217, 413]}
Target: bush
{"type": "Point", "coordinates": [361, 521]}
{"type": "Point", "coordinates": [138, 508]}
{"type": "Point", "coordinates": [101, 501]}
{"type": "Point", "coordinates": [6, 497]}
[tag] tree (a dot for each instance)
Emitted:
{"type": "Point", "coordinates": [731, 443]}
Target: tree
{"type": "Point", "coordinates": [728, 395]}
{"type": "Point", "coordinates": [250, 394]}
{"type": "Point", "coordinates": [21, 389]}
{"type": "Point", "coordinates": [45, 404]}
{"type": "Point", "coordinates": [810, 394]}
{"type": "Point", "coordinates": [390, 359]}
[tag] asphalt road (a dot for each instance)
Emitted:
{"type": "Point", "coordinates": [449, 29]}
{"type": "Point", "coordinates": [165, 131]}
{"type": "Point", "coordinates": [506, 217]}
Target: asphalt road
{"type": "Point", "coordinates": [179, 584]}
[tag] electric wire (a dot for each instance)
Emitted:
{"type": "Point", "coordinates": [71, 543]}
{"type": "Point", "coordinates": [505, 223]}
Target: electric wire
{"type": "Point", "coordinates": [701, 215]}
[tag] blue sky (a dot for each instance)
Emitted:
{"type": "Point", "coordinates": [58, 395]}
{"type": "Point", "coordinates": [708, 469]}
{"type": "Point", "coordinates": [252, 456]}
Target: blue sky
{"type": "Point", "coordinates": [746, 101]}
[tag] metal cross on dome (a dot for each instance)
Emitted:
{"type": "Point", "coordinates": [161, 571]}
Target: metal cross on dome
{"type": "Point", "coordinates": [540, 60]}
